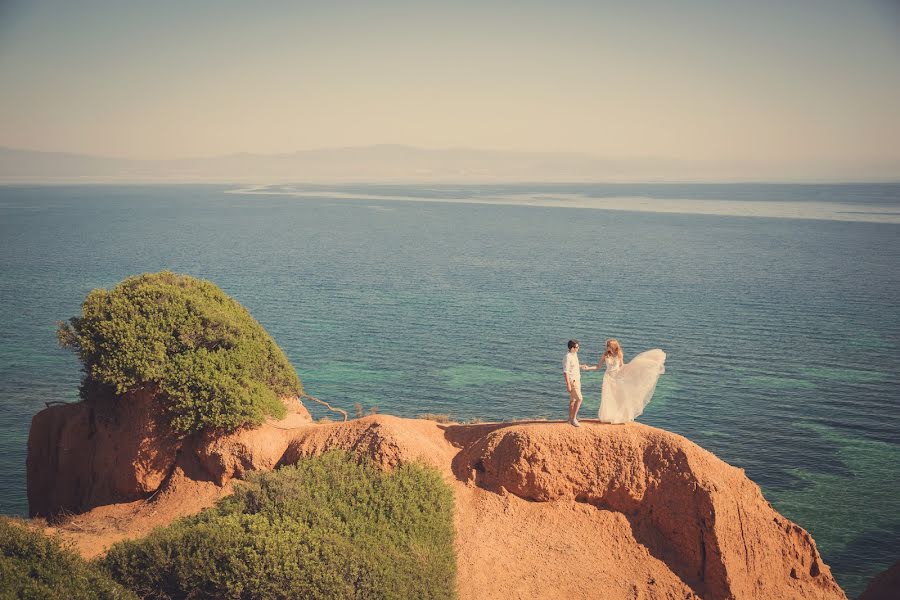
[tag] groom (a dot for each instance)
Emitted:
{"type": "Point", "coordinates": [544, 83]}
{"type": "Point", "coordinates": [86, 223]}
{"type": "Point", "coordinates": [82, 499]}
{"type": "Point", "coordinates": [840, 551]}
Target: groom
{"type": "Point", "coordinates": [572, 373]}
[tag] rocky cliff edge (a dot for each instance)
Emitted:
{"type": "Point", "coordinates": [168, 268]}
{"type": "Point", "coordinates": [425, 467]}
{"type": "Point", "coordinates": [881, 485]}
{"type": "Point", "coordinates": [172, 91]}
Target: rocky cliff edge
{"type": "Point", "coordinates": [542, 509]}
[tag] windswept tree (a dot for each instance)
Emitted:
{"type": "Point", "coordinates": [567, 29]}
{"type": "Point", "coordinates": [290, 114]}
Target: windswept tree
{"type": "Point", "coordinates": [210, 363]}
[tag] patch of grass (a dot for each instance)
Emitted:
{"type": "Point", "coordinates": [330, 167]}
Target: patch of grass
{"type": "Point", "coordinates": [33, 565]}
{"type": "Point", "coordinates": [436, 417]}
{"type": "Point", "coordinates": [329, 527]}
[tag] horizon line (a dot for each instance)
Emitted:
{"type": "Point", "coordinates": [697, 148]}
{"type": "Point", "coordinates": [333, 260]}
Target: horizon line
{"type": "Point", "coordinates": [386, 145]}
{"type": "Point", "coordinates": [109, 181]}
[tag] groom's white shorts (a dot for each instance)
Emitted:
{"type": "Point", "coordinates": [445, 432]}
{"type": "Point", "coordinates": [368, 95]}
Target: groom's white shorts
{"type": "Point", "coordinates": [575, 392]}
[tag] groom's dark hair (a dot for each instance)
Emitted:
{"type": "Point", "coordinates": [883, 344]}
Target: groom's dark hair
{"type": "Point", "coordinates": [572, 344]}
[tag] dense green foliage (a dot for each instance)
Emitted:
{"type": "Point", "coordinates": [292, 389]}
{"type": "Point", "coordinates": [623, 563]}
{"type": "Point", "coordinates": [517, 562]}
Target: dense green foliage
{"type": "Point", "coordinates": [35, 566]}
{"type": "Point", "coordinates": [214, 364]}
{"type": "Point", "coordinates": [329, 527]}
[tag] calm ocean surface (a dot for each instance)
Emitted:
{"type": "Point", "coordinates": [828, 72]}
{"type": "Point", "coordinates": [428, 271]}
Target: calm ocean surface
{"type": "Point", "coordinates": [783, 333]}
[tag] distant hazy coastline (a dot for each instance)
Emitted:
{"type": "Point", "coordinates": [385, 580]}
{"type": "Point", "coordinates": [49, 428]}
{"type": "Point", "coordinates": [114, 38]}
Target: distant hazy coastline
{"type": "Point", "coordinates": [830, 211]}
{"type": "Point", "coordinates": [392, 163]}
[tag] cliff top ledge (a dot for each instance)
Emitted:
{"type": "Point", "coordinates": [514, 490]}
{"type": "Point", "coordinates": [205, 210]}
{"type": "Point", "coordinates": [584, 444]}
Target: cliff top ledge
{"type": "Point", "coordinates": [542, 509]}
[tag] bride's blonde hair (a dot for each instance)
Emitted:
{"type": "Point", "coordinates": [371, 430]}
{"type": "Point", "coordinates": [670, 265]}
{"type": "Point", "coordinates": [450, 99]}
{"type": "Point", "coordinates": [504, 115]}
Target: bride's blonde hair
{"type": "Point", "coordinates": [613, 348]}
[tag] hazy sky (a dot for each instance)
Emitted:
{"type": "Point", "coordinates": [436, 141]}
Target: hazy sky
{"type": "Point", "coordinates": [787, 80]}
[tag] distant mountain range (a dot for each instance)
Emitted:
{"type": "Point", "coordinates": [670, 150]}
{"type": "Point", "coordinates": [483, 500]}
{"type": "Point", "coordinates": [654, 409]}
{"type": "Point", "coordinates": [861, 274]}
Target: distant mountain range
{"type": "Point", "coordinates": [408, 164]}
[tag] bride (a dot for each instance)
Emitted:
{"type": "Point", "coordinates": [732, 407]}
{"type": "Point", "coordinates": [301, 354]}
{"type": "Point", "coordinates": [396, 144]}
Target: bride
{"type": "Point", "coordinates": [627, 389]}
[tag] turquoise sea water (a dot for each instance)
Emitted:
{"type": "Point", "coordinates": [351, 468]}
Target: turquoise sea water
{"type": "Point", "coordinates": [783, 333]}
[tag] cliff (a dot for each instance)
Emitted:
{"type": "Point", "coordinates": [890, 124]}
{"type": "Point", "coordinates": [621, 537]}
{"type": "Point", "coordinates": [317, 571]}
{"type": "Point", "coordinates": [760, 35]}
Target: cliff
{"type": "Point", "coordinates": [542, 509]}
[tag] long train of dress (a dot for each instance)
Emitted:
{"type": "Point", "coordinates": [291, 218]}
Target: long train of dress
{"type": "Point", "coordinates": [627, 388]}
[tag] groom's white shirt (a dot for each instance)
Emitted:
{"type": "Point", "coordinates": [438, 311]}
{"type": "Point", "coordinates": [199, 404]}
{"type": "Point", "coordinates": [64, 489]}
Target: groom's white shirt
{"type": "Point", "coordinates": [571, 367]}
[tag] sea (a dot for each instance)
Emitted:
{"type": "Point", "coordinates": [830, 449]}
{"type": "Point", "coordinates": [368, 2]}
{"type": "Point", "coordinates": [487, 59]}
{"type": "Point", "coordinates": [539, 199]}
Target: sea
{"type": "Point", "coordinates": [778, 306]}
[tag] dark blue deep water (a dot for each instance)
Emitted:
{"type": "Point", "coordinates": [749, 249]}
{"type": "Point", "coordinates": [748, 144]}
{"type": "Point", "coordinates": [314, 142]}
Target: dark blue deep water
{"type": "Point", "coordinates": [783, 334]}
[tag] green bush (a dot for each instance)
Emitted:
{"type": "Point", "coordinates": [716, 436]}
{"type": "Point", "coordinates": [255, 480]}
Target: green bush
{"type": "Point", "coordinates": [214, 364]}
{"type": "Point", "coordinates": [33, 565]}
{"type": "Point", "coordinates": [329, 527]}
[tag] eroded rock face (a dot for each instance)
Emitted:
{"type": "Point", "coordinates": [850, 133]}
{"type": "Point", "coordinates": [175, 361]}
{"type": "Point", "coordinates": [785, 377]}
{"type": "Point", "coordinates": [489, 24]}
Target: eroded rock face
{"type": "Point", "coordinates": [225, 457]}
{"type": "Point", "coordinates": [701, 516]}
{"type": "Point", "coordinates": [89, 454]}
{"type": "Point", "coordinates": [387, 440]}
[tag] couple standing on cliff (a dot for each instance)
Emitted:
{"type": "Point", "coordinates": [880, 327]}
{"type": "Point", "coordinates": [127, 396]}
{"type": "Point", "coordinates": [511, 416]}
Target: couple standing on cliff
{"type": "Point", "coordinates": [626, 389]}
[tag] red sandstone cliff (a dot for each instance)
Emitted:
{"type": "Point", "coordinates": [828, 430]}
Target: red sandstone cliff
{"type": "Point", "coordinates": [543, 510]}
{"type": "Point", "coordinates": [90, 454]}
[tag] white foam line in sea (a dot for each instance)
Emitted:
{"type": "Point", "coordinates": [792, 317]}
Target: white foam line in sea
{"type": "Point", "coordinates": [827, 211]}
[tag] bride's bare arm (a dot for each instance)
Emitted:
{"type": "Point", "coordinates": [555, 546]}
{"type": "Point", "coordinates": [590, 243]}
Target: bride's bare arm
{"type": "Point", "coordinates": [593, 367]}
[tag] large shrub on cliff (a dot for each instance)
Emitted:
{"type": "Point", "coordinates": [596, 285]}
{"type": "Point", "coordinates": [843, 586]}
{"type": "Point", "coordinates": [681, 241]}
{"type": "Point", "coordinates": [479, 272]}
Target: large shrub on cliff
{"type": "Point", "coordinates": [329, 527]}
{"type": "Point", "coordinates": [33, 565]}
{"type": "Point", "coordinates": [213, 364]}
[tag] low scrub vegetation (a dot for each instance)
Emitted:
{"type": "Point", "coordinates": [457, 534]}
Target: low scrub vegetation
{"type": "Point", "coordinates": [329, 527]}
{"type": "Point", "coordinates": [33, 565]}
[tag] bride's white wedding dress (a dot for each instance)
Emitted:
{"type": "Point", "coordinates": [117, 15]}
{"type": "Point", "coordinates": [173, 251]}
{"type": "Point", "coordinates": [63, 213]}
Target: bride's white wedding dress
{"type": "Point", "coordinates": [627, 388]}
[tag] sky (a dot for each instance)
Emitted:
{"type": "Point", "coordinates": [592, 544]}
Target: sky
{"type": "Point", "coordinates": [795, 82]}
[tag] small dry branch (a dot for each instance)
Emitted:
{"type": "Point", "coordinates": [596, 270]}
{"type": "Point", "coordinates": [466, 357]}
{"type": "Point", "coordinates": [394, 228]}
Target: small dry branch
{"type": "Point", "coordinates": [325, 404]}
